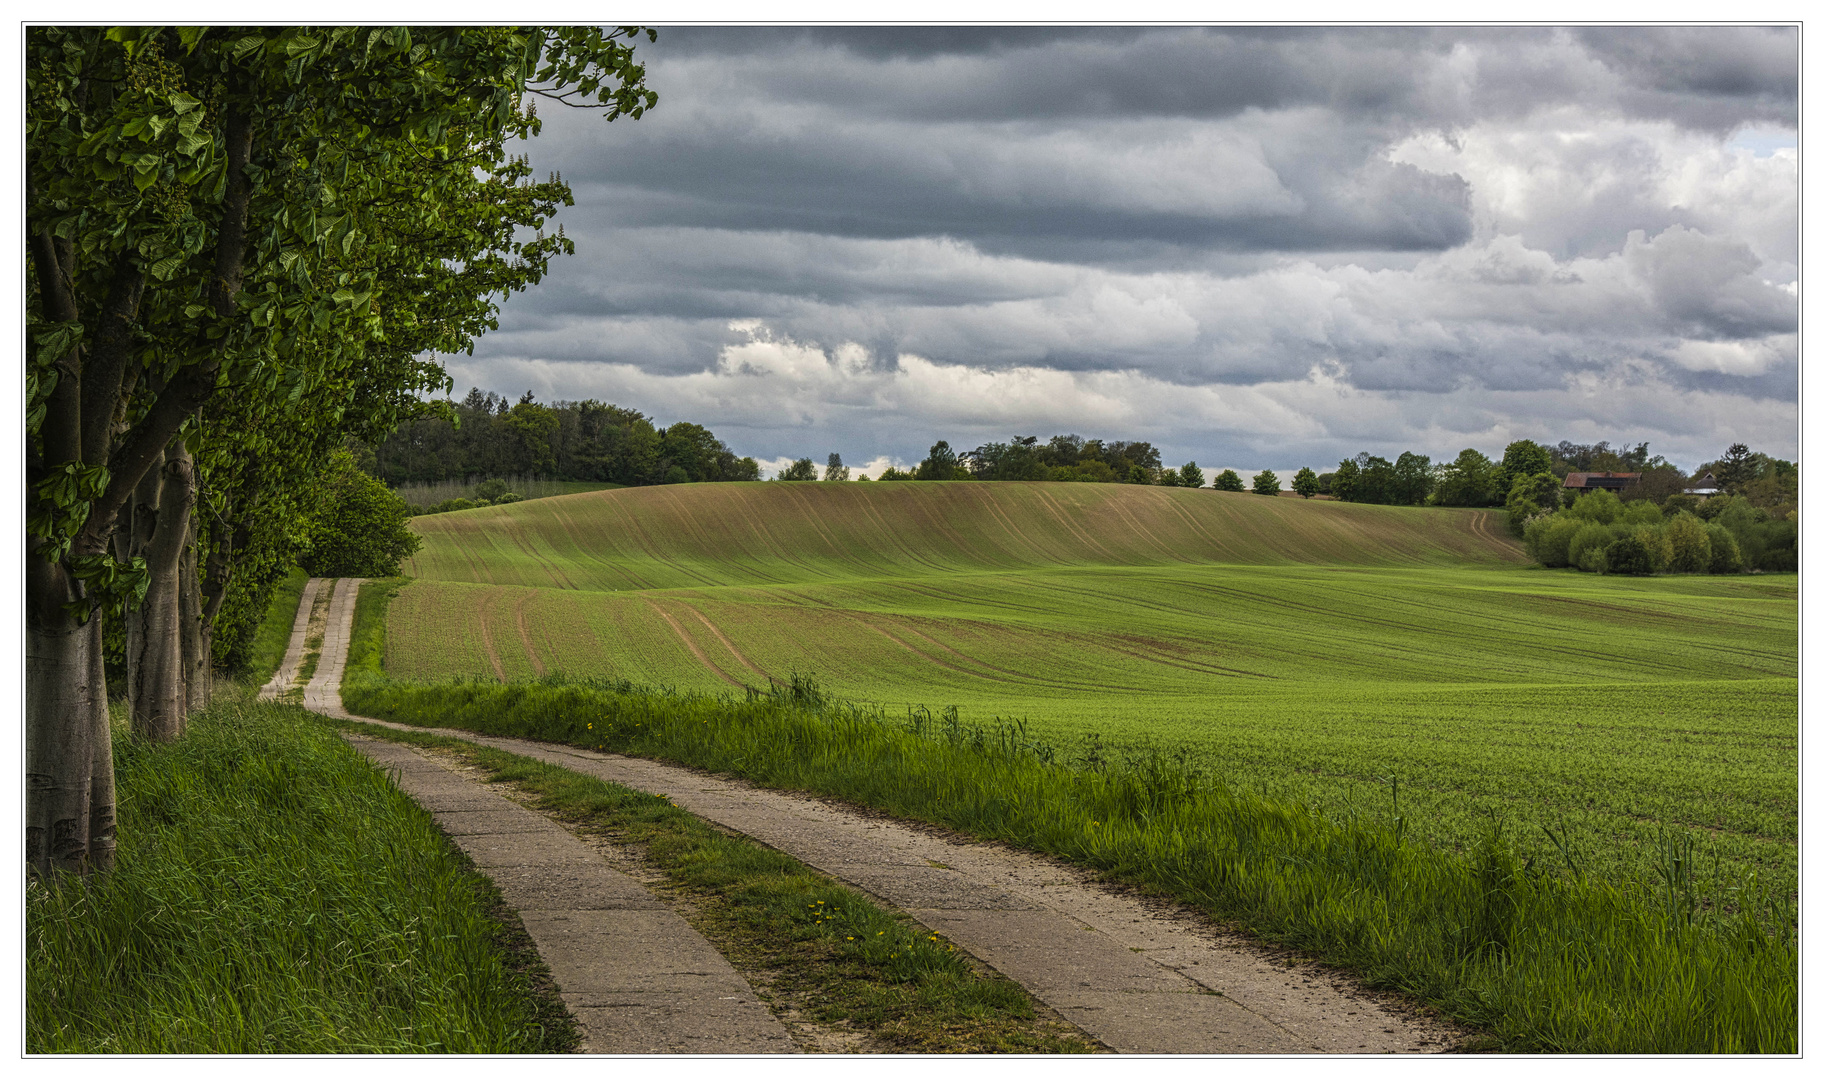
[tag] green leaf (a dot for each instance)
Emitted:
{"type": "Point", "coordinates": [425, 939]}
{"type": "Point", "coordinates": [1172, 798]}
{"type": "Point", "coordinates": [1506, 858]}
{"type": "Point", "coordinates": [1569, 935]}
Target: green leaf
{"type": "Point", "coordinates": [163, 268]}
{"type": "Point", "coordinates": [190, 36]}
{"type": "Point", "coordinates": [182, 103]}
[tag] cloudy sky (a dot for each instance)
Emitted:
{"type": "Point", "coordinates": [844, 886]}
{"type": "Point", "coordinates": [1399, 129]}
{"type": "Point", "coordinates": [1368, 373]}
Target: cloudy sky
{"type": "Point", "coordinates": [1254, 247]}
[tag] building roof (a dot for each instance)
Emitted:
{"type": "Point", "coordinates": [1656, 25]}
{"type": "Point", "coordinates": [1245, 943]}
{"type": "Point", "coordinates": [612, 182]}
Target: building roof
{"type": "Point", "coordinates": [1582, 479]}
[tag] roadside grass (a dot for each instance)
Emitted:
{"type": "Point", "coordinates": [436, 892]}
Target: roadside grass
{"type": "Point", "coordinates": [1542, 958]}
{"type": "Point", "coordinates": [275, 893]}
{"type": "Point", "coordinates": [839, 958]}
{"type": "Point", "coordinates": [274, 634]}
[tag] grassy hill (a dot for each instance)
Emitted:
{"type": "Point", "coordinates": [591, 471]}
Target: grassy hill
{"type": "Point", "coordinates": [1315, 649]}
{"type": "Point", "coordinates": [772, 533]}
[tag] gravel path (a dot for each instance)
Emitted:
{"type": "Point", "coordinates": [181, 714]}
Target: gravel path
{"type": "Point", "coordinates": [1142, 977]}
{"type": "Point", "coordinates": [294, 651]}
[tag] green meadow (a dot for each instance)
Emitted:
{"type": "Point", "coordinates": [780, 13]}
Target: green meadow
{"type": "Point", "coordinates": [1317, 652]}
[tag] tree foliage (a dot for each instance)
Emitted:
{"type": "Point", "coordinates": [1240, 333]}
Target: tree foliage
{"type": "Point", "coordinates": [243, 243]}
{"type": "Point", "coordinates": [359, 529]}
{"type": "Point", "coordinates": [1228, 480]}
{"type": "Point", "coordinates": [1305, 483]}
{"type": "Point", "coordinates": [1266, 483]}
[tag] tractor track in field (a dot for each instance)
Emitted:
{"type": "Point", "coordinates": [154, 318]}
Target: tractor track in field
{"type": "Point", "coordinates": [1138, 974]}
{"type": "Point", "coordinates": [695, 649]}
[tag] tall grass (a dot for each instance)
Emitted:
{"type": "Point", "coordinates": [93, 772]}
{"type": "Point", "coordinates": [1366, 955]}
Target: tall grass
{"type": "Point", "coordinates": [1541, 957]}
{"type": "Point", "coordinates": [274, 893]}
{"type": "Point", "coordinates": [528, 487]}
{"type": "Point", "coordinates": [274, 633]}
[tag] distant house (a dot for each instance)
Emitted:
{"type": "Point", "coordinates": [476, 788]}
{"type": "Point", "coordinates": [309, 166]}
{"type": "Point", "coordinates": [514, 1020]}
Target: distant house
{"type": "Point", "coordinates": [1581, 482]}
{"type": "Point", "coordinates": [1703, 485]}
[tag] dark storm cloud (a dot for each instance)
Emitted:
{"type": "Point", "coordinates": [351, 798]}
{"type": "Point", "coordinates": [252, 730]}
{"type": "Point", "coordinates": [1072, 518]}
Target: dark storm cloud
{"type": "Point", "coordinates": [1234, 240]}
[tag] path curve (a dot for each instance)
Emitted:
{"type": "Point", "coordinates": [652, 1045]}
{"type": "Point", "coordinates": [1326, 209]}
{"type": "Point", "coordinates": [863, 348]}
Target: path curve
{"type": "Point", "coordinates": [1140, 976]}
{"type": "Point", "coordinates": [636, 976]}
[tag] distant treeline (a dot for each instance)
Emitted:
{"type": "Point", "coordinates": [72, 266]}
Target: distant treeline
{"type": "Point", "coordinates": [483, 435]}
{"type": "Point", "coordinates": [1063, 458]}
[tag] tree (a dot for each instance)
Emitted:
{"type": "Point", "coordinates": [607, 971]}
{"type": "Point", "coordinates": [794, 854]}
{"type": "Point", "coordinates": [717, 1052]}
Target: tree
{"type": "Point", "coordinates": [1190, 475]}
{"type": "Point", "coordinates": [1525, 457]}
{"type": "Point", "coordinates": [1343, 481]}
{"type": "Point", "coordinates": [360, 528]}
{"type": "Point", "coordinates": [939, 464]}
{"type": "Point", "coordinates": [1471, 480]}
{"type": "Point", "coordinates": [1735, 469]}
{"type": "Point", "coordinates": [1265, 483]}
{"type": "Point", "coordinates": [1541, 489]}
{"type": "Point", "coordinates": [1305, 483]}
{"type": "Point", "coordinates": [802, 469]}
{"type": "Point", "coordinates": [1690, 545]}
{"type": "Point", "coordinates": [290, 214]}
{"type": "Point", "coordinates": [1412, 479]}
{"type": "Point", "coordinates": [1228, 480]}
{"type": "Point", "coordinates": [836, 470]}
{"type": "Point", "coordinates": [1628, 555]}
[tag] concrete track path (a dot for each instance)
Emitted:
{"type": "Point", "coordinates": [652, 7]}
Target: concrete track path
{"type": "Point", "coordinates": [637, 977]}
{"type": "Point", "coordinates": [1139, 976]}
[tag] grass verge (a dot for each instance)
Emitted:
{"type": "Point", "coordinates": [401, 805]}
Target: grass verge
{"type": "Point", "coordinates": [275, 893]}
{"type": "Point", "coordinates": [831, 954]}
{"type": "Point", "coordinates": [274, 634]}
{"type": "Point", "coordinates": [1543, 959]}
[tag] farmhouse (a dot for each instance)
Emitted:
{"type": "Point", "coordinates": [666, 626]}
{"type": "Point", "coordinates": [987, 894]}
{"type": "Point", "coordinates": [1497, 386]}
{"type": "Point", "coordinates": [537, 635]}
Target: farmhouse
{"type": "Point", "coordinates": [1609, 481]}
{"type": "Point", "coordinates": [1703, 485]}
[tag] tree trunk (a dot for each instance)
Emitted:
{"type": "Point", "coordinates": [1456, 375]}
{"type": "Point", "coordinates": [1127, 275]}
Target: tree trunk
{"type": "Point", "coordinates": [159, 699]}
{"type": "Point", "coordinates": [69, 816]}
{"type": "Point", "coordinates": [134, 535]}
{"type": "Point", "coordinates": [195, 644]}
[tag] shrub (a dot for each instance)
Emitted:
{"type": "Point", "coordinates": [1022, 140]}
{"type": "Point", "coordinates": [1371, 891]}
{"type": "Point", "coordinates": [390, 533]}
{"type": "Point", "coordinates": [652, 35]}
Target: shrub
{"type": "Point", "coordinates": [491, 490]}
{"type": "Point", "coordinates": [1584, 549]}
{"type": "Point", "coordinates": [1548, 538]}
{"type": "Point", "coordinates": [1628, 555]}
{"type": "Point", "coordinates": [359, 529]}
{"type": "Point", "coordinates": [1725, 553]}
{"type": "Point", "coordinates": [1640, 512]}
{"type": "Point", "coordinates": [1690, 545]}
{"type": "Point", "coordinates": [1598, 506]}
{"type": "Point", "coordinates": [1519, 512]}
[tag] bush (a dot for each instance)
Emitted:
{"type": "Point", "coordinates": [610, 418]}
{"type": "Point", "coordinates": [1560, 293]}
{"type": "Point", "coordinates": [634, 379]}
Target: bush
{"type": "Point", "coordinates": [1599, 506]}
{"type": "Point", "coordinates": [359, 529]}
{"type": "Point", "coordinates": [1640, 513]}
{"type": "Point", "coordinates": [1628, 555]}
{"type": "Point", "coordinates": [1548, 538]}
{"type": "Point", "coordinates": [1584, 550]}
{"type": "Point", "coordinates": [1725, 553]}
{"type": "Point", "coordinates": [1519, 512]}
{"type": "Point", "coordinates": [1690, 545]}
{"type": "Point", "coordinates": [491, 490]}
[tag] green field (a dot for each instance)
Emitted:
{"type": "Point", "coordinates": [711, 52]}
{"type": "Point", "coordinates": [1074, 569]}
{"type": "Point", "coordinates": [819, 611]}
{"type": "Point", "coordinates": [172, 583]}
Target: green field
{"type": "Point", "coordinates": [1312, 650]}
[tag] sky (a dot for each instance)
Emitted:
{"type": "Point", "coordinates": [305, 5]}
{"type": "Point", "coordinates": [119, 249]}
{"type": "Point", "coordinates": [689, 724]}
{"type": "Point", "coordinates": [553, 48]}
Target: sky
{"type": "Point", "coordinates": [1254, 247]}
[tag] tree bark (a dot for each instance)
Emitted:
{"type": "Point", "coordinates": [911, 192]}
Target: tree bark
{"type": "Point", "coordinates": [69, 819]}
{"type": "Point", "coordinates": [194, 646]}
{"type": "Point", "coordinates": [134, 534]}
{"type": "Point", "coordinates": [160, 701]}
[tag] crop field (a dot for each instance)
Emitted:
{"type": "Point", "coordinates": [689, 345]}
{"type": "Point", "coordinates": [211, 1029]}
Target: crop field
{"type": "Point", "coordinates": [1315, 651]}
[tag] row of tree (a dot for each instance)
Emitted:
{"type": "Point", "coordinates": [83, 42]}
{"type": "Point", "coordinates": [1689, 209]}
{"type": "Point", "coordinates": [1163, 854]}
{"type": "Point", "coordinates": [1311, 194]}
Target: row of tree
{"type": "Point", "coordinates": [484, 435]}
{"type": "Point", "coordinates": [245, 247]}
